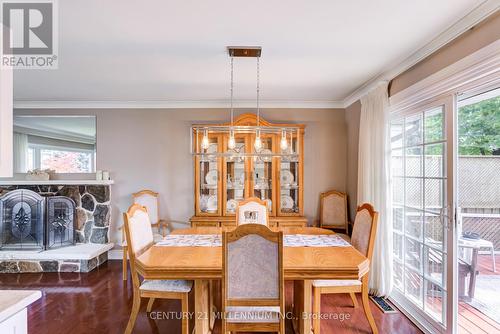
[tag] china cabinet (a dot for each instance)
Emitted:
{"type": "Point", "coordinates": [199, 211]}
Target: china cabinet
{"type": "Point", "coordinates": [225, 176]}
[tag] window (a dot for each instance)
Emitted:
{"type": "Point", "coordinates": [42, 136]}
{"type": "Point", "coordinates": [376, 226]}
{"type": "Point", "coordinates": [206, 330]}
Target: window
{"type": "Point", "coordinates": [418, 148]}
{"type": "Point", "coordinates": [61, 159]}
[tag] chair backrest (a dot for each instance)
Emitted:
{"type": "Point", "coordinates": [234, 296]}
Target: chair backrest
{"type": "Point", "coordinates": [252, 211]}
{"type": "Point", "coordinates": [333, 210]}
{"type": "Point", "coordinates": [365, 229]}
{"type": "Point", "coordinates": [252, 257]}
{"type": "Point", "coordinates": [139, 235]}
{"type": "Point", "coordinates": [149, 199]}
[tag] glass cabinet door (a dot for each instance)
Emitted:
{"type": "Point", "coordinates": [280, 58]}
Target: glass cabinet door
{"type": "Point", "coordinates": [235, 176]}
{"type": "Point", "coordinates": [290, 173]}
{"type": "Point", "coordinates": [262, 171]}
{"type": "Point", "coordinates": [208, 178]}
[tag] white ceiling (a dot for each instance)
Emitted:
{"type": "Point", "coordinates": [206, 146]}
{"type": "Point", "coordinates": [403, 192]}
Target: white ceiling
{"type": "Point", "coordinates": [73, 128]}
{"type": "Point", "coordinates": [174, 51]}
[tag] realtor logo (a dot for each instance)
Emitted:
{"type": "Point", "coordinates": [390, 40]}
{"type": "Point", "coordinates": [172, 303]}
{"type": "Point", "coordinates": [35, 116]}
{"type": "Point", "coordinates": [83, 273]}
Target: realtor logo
{"type": "Point", "coordinates": [29, 38]}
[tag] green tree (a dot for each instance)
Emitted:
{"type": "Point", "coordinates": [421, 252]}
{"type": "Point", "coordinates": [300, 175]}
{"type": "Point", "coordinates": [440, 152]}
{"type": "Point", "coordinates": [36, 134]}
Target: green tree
{"type": "Point", "coordinates": [479, 128]}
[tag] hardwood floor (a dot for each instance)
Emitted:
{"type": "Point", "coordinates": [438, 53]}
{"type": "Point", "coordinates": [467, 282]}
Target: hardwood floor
{"type": "Point", "coordinates": [100, 302]}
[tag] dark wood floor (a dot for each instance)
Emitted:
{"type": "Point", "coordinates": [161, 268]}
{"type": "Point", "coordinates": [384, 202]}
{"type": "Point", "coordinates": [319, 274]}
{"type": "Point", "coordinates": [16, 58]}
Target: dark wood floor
{"type": "Point", "coordinates": [100, 302]}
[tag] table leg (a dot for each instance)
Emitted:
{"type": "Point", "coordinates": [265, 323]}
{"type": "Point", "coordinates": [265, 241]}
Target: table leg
{"type": "Point", "coordinates": [202, 306]}
{"type": "Point", "coordinates": [302, 306]}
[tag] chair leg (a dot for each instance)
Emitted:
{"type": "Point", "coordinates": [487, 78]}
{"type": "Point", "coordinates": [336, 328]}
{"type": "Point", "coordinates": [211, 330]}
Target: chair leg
{"type": "Point", "coordinates": [366, 305]}
{"type": "Point", "coordinates": [354, 299]}
{"type": "Point", "coordinates": [185, 311]}
{"type": "Point", "coordinates": [316, 310]}
{"type": "Point", "coordinates": [124, 263]}
{"type": "Point", "coordinates": [133, 315]}
{"type": "Point", "coordinates": [150, 304]}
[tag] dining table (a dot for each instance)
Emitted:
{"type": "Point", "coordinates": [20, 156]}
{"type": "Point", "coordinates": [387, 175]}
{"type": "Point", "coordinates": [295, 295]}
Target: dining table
{"type": "Point", "coordinates": [203, 265]}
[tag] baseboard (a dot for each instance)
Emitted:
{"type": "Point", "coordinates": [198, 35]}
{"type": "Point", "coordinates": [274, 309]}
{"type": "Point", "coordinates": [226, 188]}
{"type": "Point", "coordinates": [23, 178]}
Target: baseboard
{"type": "Point", "coordinates": [115, 254]}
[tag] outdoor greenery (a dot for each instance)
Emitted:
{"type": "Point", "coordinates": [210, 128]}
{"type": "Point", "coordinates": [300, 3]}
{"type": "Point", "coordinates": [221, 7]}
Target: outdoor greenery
{"type": "Point", "coordinates": [479, 128]}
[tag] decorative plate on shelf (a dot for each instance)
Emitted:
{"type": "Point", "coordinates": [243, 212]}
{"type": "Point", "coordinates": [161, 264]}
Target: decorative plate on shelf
{"type": "Point", "coordinates": [286, 177]}
{"type": "Point", "coordinates": [211, 178]}
{"type": "Point", "coordinates": [212, 149]}
{"type": "Point", "coordinates": [286, 202]}
{"type": "Point", "coordinates": [268, 158]}
{"type": "Point", "coordinates": [231, 205]}
{"type": "Point", "coordinates": [212, 203]}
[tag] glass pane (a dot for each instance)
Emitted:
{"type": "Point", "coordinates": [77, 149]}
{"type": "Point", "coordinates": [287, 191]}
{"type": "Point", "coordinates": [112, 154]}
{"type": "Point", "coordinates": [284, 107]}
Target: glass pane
{"type": "Point", "coordinates": [434, 264]}
{"type": "Point", "coordinates": [434, 160]}
{"type": "Point", "coordinates": [209, 177]}
{"type": "Point", "coordinates": [397, 133]}
{"type": "Point", "coordinates": [413, 283]}
{"type": "Point", "coordinates": [262, 174]}
{"type": "Point", "coordinates": [289, 182]}
{"type": "Point", "coordinates": [414, 192]}
{"type": "Point", "coordinates": [397, 217]}
{"type": "Point", "coordinates": [398, 274]}
{"type": "Point", "coordinates": [397, 163]}
{"type": "Point", "coordinates": [398, 190]}
{"type": "Point", "coordinates": [235, 170]}
{"type": "Point", "coordinates": [434, 195]}
{"type": "Point", "coordinates": [434, 125]}
{"type": "Point", "coordinates": [434, 300]}
{"type": "Point", "coordinates": [66, 161]}
{"type": "Point", "coordinates": [434, 233]}
{"type": "Point", "coordinates": [413, 224]}
{"type": "Point", "coordinates": [398, 245]}
{"type": "Point", "coordinates": [414, 161]}
{"type": "Point", "coordinates": [413, 130]}
{"type": "Point", "coordinates": [413, 254]}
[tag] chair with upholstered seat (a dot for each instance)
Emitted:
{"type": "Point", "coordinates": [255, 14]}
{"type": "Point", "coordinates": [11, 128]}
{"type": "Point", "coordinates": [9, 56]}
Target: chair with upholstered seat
{"type": "Point", "coordinates": [139, 235]}
{"type": "Point", "coordinates": [333, 212]}
{"type": "Point", "coordinates": [363, 239]}
{"type": "Point", "coordinates": [252, 211]}
{"type": "Point", "coordinates": [149, 199]}
{"type": "Point", "coordinates": [252, 286]}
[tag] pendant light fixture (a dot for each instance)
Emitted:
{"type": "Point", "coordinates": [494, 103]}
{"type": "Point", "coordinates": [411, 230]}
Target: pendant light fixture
{"type": "Point", "coordinates": [285, 144]}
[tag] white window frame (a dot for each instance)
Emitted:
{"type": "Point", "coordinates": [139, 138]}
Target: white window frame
{"type": "Point", "coordinates": [37, 148]}
{"type": "Point", "coordinates": [476, 72]}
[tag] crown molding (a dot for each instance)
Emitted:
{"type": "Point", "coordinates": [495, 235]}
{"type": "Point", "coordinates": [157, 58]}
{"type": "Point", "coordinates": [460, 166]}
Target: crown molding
{"type": "Point", "coordinates": [474, 17]}
{"type": "Point", "coordinates": [482, 64]}
{"type": "Point", "coordinates": [202, 104]}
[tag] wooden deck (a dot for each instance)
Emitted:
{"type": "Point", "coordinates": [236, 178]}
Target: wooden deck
{"type": "Point", "coordinates": [471, 320]}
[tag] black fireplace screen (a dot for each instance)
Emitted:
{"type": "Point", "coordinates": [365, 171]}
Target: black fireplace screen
{"type": "Point", "coordinates": [60, 221]}
{"type": "Point", "coordinates": [25, 224]}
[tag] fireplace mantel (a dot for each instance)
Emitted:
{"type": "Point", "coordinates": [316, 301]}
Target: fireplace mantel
{"type": "Point", "coordinates": [56, 182]}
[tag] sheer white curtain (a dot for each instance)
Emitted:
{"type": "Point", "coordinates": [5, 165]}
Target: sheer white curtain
{"type": "Point", "coordinates": [373, 181]}
{"type": "Point", "coordinates": [20, 141]}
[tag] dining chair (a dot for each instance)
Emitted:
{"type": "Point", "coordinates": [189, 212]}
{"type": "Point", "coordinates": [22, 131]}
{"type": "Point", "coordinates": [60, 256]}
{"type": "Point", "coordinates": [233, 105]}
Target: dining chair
{"type": "Point", "coordinates": [253, 284]}
{"type": "Point", "coordinates": [139, 235]}
{"type": "Point", "coordinates": [150, 200]}
{"type": "Point", "coordinates": [253, 210]}
{"type": "Point", "coordinates": [333, 212]}
{"type": "Point", "coordinates": [363, 239]}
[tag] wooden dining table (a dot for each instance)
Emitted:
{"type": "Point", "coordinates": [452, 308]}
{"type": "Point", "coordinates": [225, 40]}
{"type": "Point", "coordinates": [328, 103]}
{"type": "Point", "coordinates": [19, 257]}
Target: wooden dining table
{"type": "Point", "coordinates": [203, 265]}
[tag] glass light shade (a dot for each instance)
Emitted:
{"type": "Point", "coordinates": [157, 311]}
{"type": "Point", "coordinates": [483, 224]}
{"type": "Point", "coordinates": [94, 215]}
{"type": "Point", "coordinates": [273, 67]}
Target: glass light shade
{"type": "Point", "coordinates": [258, 142]}
{"type": "Point", "coordinates": [204, 141]}
{"type": "Point", "coordinates": [231, 144]}
{"type": "Point", "coordinates": [283, 142]}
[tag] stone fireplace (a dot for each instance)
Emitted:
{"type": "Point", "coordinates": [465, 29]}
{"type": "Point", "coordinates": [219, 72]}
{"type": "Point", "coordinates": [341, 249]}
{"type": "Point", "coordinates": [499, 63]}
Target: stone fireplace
{"type": "Point", "coordinates": [55, 227]}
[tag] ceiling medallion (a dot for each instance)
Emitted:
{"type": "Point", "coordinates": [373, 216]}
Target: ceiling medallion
{"type": "Point", "coordinates": [202, 148]}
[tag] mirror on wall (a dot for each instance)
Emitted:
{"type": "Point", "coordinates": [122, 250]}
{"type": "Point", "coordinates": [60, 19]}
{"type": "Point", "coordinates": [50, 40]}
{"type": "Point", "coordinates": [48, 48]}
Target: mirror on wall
{"type": "Point", "coordinates": [65, 144]}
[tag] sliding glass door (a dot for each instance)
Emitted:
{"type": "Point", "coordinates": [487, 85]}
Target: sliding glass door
{"type": "Point", "coordinates": [422, 190]}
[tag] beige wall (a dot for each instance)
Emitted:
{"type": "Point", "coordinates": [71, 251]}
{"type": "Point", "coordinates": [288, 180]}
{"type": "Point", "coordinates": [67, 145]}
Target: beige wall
{"type": "Point", "coordinates": [352, 114]}
{"type": "Point", "coordinates": [476, 38]}
{"type": "Point", "coordinates": [150, 149]}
